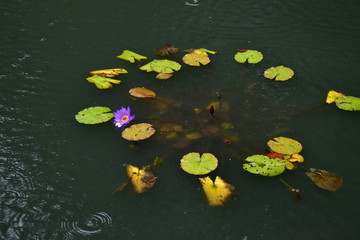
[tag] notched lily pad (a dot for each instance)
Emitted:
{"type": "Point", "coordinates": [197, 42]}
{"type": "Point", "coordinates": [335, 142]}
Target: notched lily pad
{"type": "Point", "coordinates": [250, 56]}
{"type": "Point", "coordinates": [131, 56]}
{"type": "Point", "coordinates": [138, 132]}
{"type": "Point", "coordinates": [141, 179]}
{"type": "Point", "coordinates": [217, 192]}
{"type": "Point", "coordinates": [109, 72]}
{"type": "Point", "coordinates": [197, 57]}
{"type": "Point", "coordinates": [142, 92]}
{"type": "Point", "coordinates": [284, 145]}
{"type": "Point", "coordinates": [265, 166]}
{"type": "Point", "coordinates": [325, 180]}
{"type": "Point", "coordinates": [279, 73]}
{"type": "Point", "coordinates": [94, 115]}
{"type": "Point", "coordinates": [102, 82]}
{"type": "Point", "coordinates": [194, 164]}
{"type": "Point", "coordinates": [164, 67]}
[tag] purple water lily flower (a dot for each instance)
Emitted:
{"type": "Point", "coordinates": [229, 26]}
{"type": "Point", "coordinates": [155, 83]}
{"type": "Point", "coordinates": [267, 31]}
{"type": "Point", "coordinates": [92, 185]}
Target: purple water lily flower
{"type": "Point", "coordinates": [122, 117]}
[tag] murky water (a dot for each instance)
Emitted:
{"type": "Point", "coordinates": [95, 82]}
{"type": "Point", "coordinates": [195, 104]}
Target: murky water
{"type": "Point", "coordinates": [57, 176]}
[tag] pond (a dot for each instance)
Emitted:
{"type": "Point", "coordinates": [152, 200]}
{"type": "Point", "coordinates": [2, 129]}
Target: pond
{"type": "Point", "coordinates": [57, 176]}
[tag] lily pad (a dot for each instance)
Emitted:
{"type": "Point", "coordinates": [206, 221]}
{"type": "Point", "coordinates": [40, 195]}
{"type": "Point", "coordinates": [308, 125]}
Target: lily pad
{"type": "Point", "coordinates": [348, 103]}
{"type": "Point", "coordinates": [250, 56]}
{"type": "Point", "coordinates": [279, 73]}
{"type": "Point", "coordinates": [102, 82]}
{"type": "Point", "coordinates": [142, 92]}
{"type": "Point", "coordinates": [138, 132]}
{"type": "Point", "coordinates": [217, 192]}
{"type": "Point", "coordinates": [194, 164]}
{"type": "Point", "coordinates": [94, 115]}
{"type": "Point", "coordinates": [161, 66]}
{"type": "Point", "coordinates": [333, 95]}
{"type": "Point", "coordinates": [295, 158]}
{"type": "Point", "coordinates": [109, 72]}
{"type": "Point", "coordinates": [265, 166]}
{"type": "Point", "coordinates": [285, 145]}
{"type": "Point", "coordinates": [325, 180]}
{"type": "Point", "coordinates": [196, 57]}
{"type": "Point", "coordinates": [131, 56]}
{"type": "Point", "coordinates": [141, 179]}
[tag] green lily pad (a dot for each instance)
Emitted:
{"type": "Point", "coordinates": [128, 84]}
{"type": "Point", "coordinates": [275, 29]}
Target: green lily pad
{"type": "Point", "coordinates": [265, 166]}
{"type": "Point", "coordinates": [279, 73]}
{"type": "Point", "coordinates": [161, 66]}
{"type": "Point", "coordinates": [138, 132]}
{"type": "Point", "coordinates": [251, 56]}
{"type": "Point", "coordinates": [94, 115]}
{"type": "Point", "coordinates": [131, 56]}
{"type": "Point", "coordinates": [285, 145]}
{"type": "Point", "coordinates": [348, 103]}
{"type": "Point", "coordinates": [194, 164]}
{"type": "Point", "coordinates": [102, 82]}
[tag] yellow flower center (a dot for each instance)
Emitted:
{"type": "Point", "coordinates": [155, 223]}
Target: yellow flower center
{"type": "Point", "coordinates": [125, 118]}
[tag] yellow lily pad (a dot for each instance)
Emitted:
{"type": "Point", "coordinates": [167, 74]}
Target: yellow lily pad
{"type": "Point", "coordinates": [196, 59]}
{"type": "Point", "coordinates": [333, 95]}
{"type": "Point", "coordinates": [108, 72]}
{"type": "Point", "coordinates": [138, 132]}
{"type": "Point", "coordinates": [142, 92]}
{"type": "Point", "coordinates": [102, 82]}
{"type": "Point", "coordinates": [141, 179]}
{"type": "Point", "coordinates": [217, 192]}
{"type": "Point", "coordinates": [284, 145]}
{"type": "Point", "coordinates": [295, 158]}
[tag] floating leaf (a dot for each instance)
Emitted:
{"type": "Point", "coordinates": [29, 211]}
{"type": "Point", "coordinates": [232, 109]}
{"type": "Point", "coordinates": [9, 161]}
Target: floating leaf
{"type": "Point", "coordinates": [195, 57]}
{"type": "Point", "coordinates": [94, 115]}
{"type": "Point", "coordinates": [164, 76]}
{"type": "Point", "coordinates": [295, 158]}
{"type": "Point", "coordinates": [141, 179]}
{"type": "Point", "coordinates": [250, 56]}
{"type": "Point", "coordinates": [142, 92]}
{"type": "Point", "coordinates": [279, 73]}
{"type": "Point", "coordinates": [138, 132]}
{"type": "Point", "coordinates": [194, 164]}
{"type": "Point", "coordinates": [285, 145]}
{"type": "Point", "coordinates": [275, 155]}
{"type": "Point", "coordinates": [217, 192]}
{"type": "Point", "coordinates": [348, 103]}
{"type": "Point", "coordinates": [325, 180]}
{"type": "Point", "coordinates": [166, 50]}
{"type": "Point", "coordinates": [333, 95]}
{"type": "Point", "coordinates": [102, 82]}
{"type": "Point", "coordinates": [131, 56]}
{"type": "Point", "coordinates": [265, 166]}
{"type": "Point", "coordinates": [109, 72]}
{"type": "Point", "coordinates": [161, 66]}
{"type": "Point", "coordinates": [165, 66]}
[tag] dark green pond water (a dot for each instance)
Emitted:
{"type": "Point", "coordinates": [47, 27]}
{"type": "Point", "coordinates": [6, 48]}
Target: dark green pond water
{"type": "Point", "coordinates": [57, 176]}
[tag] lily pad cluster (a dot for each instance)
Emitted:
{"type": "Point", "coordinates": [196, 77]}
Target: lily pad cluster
{"type": "Point", "coordinates": [283, 152]}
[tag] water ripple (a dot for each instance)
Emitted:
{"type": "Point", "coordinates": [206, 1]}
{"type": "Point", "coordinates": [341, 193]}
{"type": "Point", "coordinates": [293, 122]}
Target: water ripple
{"type": "Point", "coordinates": [88, 225]}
